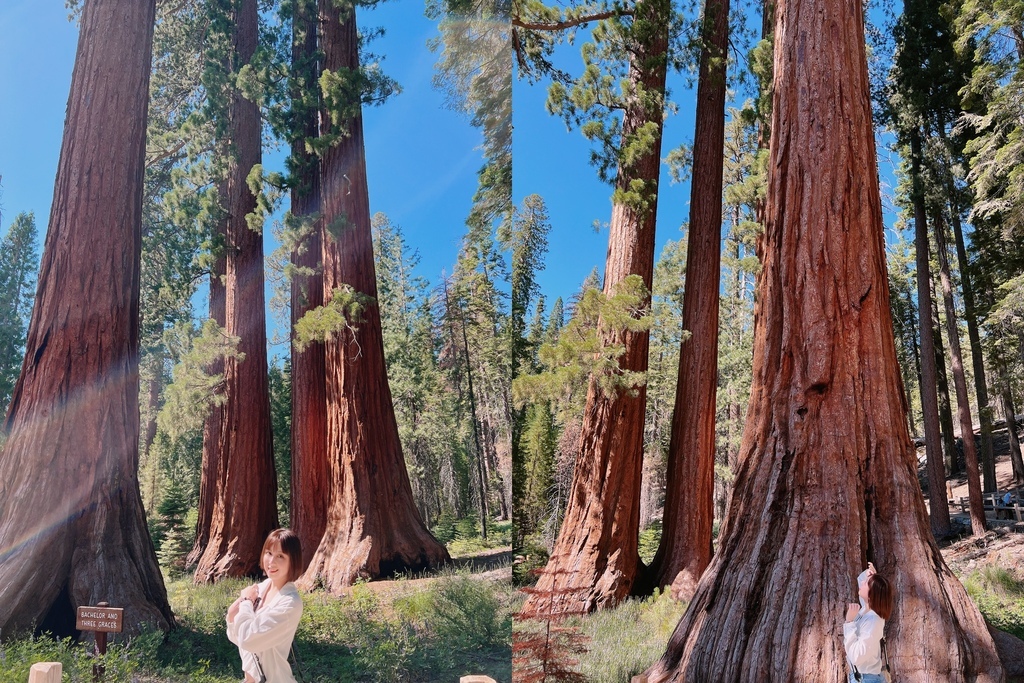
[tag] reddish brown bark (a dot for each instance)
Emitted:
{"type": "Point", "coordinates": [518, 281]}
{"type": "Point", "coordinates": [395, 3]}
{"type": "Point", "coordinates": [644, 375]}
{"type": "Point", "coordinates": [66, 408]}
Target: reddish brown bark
{"type": "Point", "coordinates": [595, 560]}
{"type": "Point", "coordinates": [373, 526]}
{"type": "Point", "coordinates": [963, 406]}
{"type": "Point", "coordinates": [828, 477]}
{"type": "Point", "coordinates": [245, 506]}
{"type": "Point", "coordinates": [1007, 409]}
{"type": "Point", "coordinates": [211, 475]}
{"type": "Point", "coordinates": [937, 504]}
{"type": "Point", "coordinates": [72, 527]}
{"type": "Point", "coordinates": [310, 476]}
{"type": "Point", "coordinates": [685, 549]}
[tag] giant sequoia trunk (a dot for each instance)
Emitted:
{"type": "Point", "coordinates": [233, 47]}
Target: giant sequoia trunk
{"type": "Point", "coordinates": [211, 479]}
{"type": "Point", "coordinates": [245, 502]}
{"type": "Point", "coordinates": [373, 526]}
{"type": "Point", "coordinates": [72, 527]}
{"type": "Point", "coordinates": [685, 548]}
{"type": "Point", "coordinates": [938, 506]}
{"type": "Point", "coordinates": [828, 476]}
{"type": "Point", "coordinates": [963, 405]}
{"type": "Point", "coordinates": [595, 560]}
{"type": "Point", "coordinates": [310, 474]}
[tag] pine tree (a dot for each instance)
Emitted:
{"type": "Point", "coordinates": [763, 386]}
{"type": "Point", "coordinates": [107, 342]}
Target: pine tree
{"type": "Point", "coordinates": [18, 264]}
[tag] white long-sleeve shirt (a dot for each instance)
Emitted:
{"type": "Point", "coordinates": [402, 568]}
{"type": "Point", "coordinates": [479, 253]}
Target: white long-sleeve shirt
{"type": "Point", "coordinates": [268, 633]}
{"type": "Point", "coordinates": [863, 636]}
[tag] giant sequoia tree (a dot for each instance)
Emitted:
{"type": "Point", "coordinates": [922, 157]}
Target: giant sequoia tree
{"type": "Point", "coordinates": [240, 485]}
{"type": "Point", "coordinates": [373, 527]}
{"type": "Point", "coordinates": [72, 527]}
{"type": "Point", "coordinates": [828, 475]}
{"type": "Point", "coordinates": [685, 548]}
{"type": "Point", "coordinates": [310, 468]}
{"type": "Point", "coordinates": [595, 561]}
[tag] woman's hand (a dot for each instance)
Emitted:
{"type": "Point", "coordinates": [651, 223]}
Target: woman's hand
{"type": "Point", "coordinates": [251, 593]}
{"type": "Point", "coordinates": [233, 610]}
{"type": "Point", "coordinates": [852, 609]}
{"type": "Point", "coordinates": [871, 570]}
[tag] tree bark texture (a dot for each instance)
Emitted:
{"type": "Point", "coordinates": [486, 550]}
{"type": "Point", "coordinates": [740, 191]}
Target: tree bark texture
{"type": "Point", "coordinates": [685, 548]}
{"type": "Point", "coordinates": [211, 476]}
{"type": "Point", "coordinates": [937, 504]}
{"type": "Point", "coordinates": [72, 526]}
{"type": "Point", "coordinates": [963, 406]}
{"type": "Point", "coordinates": [828, 476]}
{"type": "Point", "coordinates": [950, 455]}
{"type": "Point", "coordinates": [245, 509]}
{"type": "Point", "coordinates": [988, 458]}
{"type": "Point", "coordinates": [1009, 416]}
{"type": "Point", "coordinates": [373, 526]}
{"type": "Point", "coordinates": [595, 561]}
{"type": "Point", "coordinates": [310, 476]}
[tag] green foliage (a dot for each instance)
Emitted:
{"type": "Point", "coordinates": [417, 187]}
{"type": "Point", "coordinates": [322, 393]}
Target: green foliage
{"type": "Point", "coordinates": [650, 537]}
{"type": "Point", "coordinates": [342, 313]}
{"type": "Point", "coordinates": [624, 641]}
{"type": "Point", "coordinates": [999, 594]}
{"type": "Point", "coordinates": [467, 615]}
{"type": "Point", "coordinates": [474, 71]}
{"type": "Point", "coordinates": [123, 662]}
{"type": "Point", "coordinates": [18, 265]}
{"type": "Point", "coordinates": [171, 537]}
{"type": "Point", "coordinates": [194, 391]}
{"type": "Point", "coordinates": [280, 387]}
{"type": "Point", "coordinates": [467, 539]}
{"type": "Point", "coordinates": [627, 44]}
{"type": "Point", "coordinates": [590, 346]}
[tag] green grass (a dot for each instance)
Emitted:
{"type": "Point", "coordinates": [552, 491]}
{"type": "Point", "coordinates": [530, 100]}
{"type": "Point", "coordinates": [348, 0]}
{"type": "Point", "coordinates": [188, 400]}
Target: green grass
{"type": "Point", "coordinates": [453, 626]}
{"type": "Point", "coordinates": [999, 594]}
{"type": "Point", "coordinates": [626, 640]}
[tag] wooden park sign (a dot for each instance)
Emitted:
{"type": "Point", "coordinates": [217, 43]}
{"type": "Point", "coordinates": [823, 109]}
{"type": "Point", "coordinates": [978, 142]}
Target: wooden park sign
{"type": "Point", "coordinates": [102, 619]}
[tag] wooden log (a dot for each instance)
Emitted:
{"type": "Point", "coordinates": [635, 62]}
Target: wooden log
{"type": "Point", "coordinates": [45, 672]}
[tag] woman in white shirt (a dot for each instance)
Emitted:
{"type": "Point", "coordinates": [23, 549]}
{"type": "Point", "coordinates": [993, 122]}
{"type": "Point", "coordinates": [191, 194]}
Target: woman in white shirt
{"type": "Point", "coordinates": [263, 620]}
{"type": "Point", "coordinates": [864, 627]}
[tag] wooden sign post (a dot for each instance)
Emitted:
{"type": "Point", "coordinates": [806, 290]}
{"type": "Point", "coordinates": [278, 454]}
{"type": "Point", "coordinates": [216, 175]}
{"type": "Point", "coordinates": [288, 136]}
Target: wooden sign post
{"type": "Point", "coordinates": [101, 619]}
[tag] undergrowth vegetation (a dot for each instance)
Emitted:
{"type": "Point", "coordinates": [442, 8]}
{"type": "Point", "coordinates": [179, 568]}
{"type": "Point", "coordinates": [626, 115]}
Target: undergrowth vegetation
{"type": "Point", "coordinates": [408, 630]}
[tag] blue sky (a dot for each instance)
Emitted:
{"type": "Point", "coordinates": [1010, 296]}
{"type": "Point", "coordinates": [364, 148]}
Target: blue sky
{"type": "Point", "coordinates": [422, 158]}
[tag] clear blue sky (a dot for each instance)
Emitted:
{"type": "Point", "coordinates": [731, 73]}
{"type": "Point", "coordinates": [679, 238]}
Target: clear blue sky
{"type": "Point", "coordinates": [422, 158]}
{"type": "Point", "coordinates": [550, 161]}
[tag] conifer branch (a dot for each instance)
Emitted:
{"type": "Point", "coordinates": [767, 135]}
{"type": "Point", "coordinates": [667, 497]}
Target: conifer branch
{"type": "Point", "coordinates": [570, 23]}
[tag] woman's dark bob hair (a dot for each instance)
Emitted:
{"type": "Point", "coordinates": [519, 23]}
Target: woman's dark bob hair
{"type": "Point", "coordinates": [290, 545]}
{"type": "Point", "coordinates": [880, 596]}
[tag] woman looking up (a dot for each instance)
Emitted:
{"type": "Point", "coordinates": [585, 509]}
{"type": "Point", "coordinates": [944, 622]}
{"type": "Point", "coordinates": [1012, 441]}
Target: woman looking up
{"type": "Point", "coordinates": [865, 626]}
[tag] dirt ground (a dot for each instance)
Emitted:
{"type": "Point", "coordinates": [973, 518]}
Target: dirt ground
{"type": "Point", "coordinates": [1003, 544]}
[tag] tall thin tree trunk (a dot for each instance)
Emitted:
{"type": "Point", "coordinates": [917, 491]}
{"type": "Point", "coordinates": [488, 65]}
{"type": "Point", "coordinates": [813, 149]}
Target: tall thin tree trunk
{"type": "Point", "coordinates": [480, 458]}
{"type": "Point", "coordinates": [828, 477]}
{"type": "Point", "coordinates": [950, 453]}
{"type": "Point", "coordinates": [310, 476]}
{"type": "Point", "coordinates": [977, 361]}
{"type": "Point", "coordinates": [595, 560]}
{"type": "Point", "coordinates": [72, 526]}
{"type": "Point", "coordinates": [937, 504]}
{"type": "Point", "coordinates": [211, 477]}
{"type": "Point", "coordinates": [963, 405]}
{"type": "Point", "coordinates": [685, 548]}
{"type": "Point", "coordinates": [1009, 416]}
{"type": "Point", "coordinates": [373, 526]}
{"type": "Point", "coordinates": [245, 510]}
